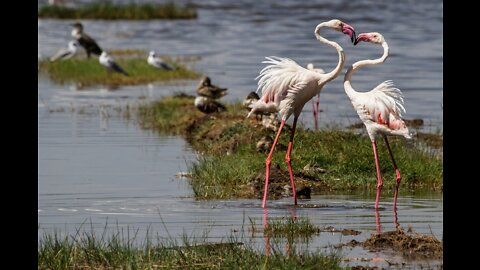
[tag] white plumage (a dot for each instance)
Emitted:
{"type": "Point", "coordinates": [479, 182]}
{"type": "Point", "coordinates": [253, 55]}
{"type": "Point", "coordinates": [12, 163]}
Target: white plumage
{"type": "Point", "coordinates": [380, 109]}
{"type": "Point", "coordinates": [157, 62]}
{"type": "Point", "coordinates": [66, 53]}
{"type": "Point", "coordinates": [286, 87]}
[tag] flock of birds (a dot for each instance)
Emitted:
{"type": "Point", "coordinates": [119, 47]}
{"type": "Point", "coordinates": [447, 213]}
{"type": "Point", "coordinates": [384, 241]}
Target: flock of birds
{"type": "Point", "coordinates": [286, 87]}
{"type": "Point", "coordinates": [106, 60]}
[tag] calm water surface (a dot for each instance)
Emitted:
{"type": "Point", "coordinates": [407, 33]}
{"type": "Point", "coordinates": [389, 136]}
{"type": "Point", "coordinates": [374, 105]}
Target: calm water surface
{"type": "Point", "coordinates": [95, 167]}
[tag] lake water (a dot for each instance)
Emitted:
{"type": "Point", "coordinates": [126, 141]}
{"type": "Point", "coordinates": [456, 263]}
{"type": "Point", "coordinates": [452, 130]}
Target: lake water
{"type": "Point", "coordinates": [95, 167]}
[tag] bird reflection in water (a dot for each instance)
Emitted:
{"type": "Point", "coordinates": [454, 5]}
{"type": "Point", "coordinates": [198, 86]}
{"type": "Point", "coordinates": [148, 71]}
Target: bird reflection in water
{"type": "Point", "coordinates": [378, 223]}
{"type": "Point", "coordinates": [266, 232]}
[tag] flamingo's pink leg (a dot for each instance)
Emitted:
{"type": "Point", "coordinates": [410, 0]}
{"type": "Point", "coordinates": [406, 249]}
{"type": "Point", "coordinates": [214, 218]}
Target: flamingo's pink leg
{"type": "Point", "coordinates": [397, 173]}
{"type": "Point", "coordinates": [288, 160]}
{"type": "Point", "coordinates": [379, 176]}
{"type": "Point", "coordinates": [377, 221]}
{"type": "Point", "coordinates": [269, 160]}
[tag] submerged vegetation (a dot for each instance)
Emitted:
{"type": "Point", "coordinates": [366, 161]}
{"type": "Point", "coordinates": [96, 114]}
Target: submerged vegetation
{"type": "Point", "coordinates": [86, 72]}
{"type": "Point", "coordinates": [120, 250]}
{"type": "Point", "coordinates": [109, 11]}
{"type": "Point", "coordinates": [322, 161]}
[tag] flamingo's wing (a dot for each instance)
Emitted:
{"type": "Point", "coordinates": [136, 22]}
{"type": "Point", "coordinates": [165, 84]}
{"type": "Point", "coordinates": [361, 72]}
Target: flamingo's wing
{"type": "Point", "coordinates": [383, 105]}
{"type": "Point", "coordinates": [279, 78]}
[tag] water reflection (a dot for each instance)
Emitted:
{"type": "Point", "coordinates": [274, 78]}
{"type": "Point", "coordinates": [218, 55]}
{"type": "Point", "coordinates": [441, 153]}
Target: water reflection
{"type": "Point", "coordinates": [378, 224]}
{"type": "Point", "coordinates": [289, 235]}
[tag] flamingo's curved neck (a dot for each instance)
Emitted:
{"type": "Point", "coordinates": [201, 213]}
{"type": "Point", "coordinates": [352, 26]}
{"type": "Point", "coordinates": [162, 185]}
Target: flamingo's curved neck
{"type": "Point", "coordinates": [341, 55]}
{"type": "Point", "coordinates": [355, 66]}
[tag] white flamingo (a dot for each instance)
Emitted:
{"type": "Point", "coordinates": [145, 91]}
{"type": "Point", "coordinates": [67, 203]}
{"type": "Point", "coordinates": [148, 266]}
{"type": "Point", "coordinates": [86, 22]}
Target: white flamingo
{"type": "Point", "coordinates": [380, 109]}
{"type": "Point", "coordinates": [315, 103]}
{"type": "Point", "coordinates": [287, 86]}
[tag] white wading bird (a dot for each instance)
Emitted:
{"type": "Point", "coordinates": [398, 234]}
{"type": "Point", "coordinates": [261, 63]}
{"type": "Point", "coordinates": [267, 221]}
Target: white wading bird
{"type": "Point", "coordinates": [287, 86]}
{"type": "Point", "coordinates": [380, 109]}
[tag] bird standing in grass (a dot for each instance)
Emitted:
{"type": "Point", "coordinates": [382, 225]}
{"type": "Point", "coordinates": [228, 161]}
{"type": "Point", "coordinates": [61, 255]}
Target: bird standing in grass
{"type": "Point", "coordinates": [108, 62]}
{"type": "Point", "coordinates": [207, 93]}
{"type": "Point", "coordinates": [157, 62]}
{"type": "Point", "coordinates": [380, 109]}
{"type": "Point", "coordinates": [286, 87]}
{"type": "Point", "coordinates": [66, 53]}
{"type": "Point", "coordinates": [88, 43]}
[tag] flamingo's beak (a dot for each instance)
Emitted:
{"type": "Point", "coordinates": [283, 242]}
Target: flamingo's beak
{"type": "Point", "coordinates": [348, 30]}
{"type": "Point", "coordinates": [361, 37]}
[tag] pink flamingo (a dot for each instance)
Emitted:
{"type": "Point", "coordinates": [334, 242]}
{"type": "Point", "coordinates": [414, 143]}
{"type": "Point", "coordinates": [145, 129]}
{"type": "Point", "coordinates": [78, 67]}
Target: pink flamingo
{"type": "Point", "coordinates": [315, 103]}
{"type": "Point", "coordinates": [287, 86]}
{"type": "Point", "coordinates": [380, 109]}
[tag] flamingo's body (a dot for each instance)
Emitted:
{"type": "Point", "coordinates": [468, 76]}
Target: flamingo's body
{"type": "Point", "coordinates": [380, 109]}
{"type": "Point", "coordinates": [315, 103]}
{"type": "Point", "coordinates": [287, 86]}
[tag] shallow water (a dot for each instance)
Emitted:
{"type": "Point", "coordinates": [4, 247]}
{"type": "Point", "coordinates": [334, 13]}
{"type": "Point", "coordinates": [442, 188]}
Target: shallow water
{"type": "Point", "coordinates": [95, 167]}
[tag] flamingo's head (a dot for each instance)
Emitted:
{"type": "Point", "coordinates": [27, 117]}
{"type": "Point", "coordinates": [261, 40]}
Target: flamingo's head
{"type": "Point", "coordinates": [372, 37]}
{"type": "Point", "coordinates": [340, 26]}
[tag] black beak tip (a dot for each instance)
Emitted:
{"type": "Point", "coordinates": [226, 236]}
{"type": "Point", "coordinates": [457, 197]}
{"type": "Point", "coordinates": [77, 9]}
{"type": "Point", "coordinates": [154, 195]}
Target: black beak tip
{"type": "Point", "coordinates": [355, 43]}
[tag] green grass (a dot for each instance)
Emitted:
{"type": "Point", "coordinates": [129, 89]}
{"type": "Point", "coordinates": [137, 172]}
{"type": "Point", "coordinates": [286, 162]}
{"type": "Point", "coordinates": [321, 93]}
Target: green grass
{"type": "Point", "coordinates": [121, 250]}
{"type": "Point", "coordinates": [109, 11]}
{"type": "Point", "coordinates": [231, 163]}
{"type": "Point", "coordinates": [87, 72]}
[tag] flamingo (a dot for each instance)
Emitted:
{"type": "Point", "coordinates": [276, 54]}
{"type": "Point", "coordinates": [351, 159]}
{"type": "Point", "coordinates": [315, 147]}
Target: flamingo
{"type": "Point", "coordinates": [315, 103]}
{"type": "Point", "coordinates": [287, 86]}
{"type": "Point", "coordinates": [380, 109]}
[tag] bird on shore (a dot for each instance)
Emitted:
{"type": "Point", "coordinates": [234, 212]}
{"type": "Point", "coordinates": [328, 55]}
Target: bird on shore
{"type": "Point", "coordinates": [66, 53]}
{"type": "Point", "coordinates": [379, 109]}
{"type": "Point", "coordinates": [88, 43]}
{"type": "Point", "coordinates": [208, 105]}
{"type": "Point", "coordinates": [286, 86]}
{"type": "Point", "coordinates": [107, 61]}
{"type": "Point", "coordinates": [207, 89]}
{"type": "Point", "coordinates": [316, 103]}
{"type": "Point", "coordinates": [157, 62]}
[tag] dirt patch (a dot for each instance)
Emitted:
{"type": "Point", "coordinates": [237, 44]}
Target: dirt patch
{"type": "Point", "coordinates": [279, 184]}
{"type": "Point", "coordinates": [410, 245]}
